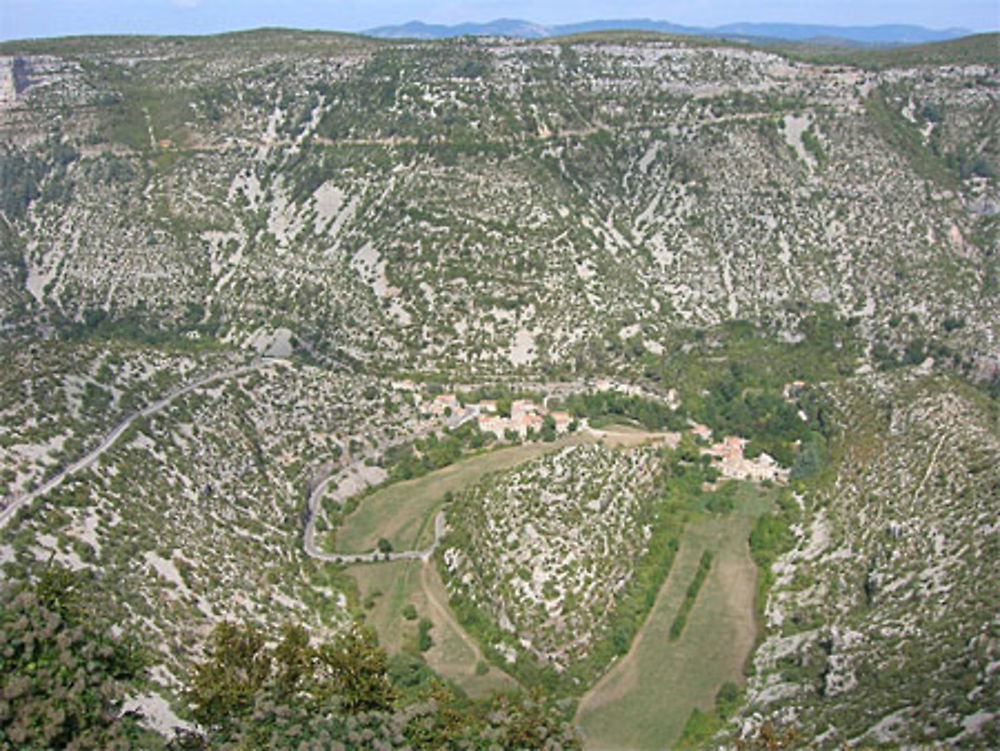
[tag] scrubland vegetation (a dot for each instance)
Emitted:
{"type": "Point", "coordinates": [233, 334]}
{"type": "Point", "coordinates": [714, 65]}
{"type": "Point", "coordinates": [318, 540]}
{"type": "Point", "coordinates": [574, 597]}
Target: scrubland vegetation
{"type": "Point", "coordinates": [234, 272]}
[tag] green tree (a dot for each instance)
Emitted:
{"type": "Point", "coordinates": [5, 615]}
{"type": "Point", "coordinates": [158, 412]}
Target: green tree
{"type": "Point", "coordinates": [408, 671]}
{"type": "Point", "coordinates": [424, 641]}
{"type": "Point", "coordinates": [503, 406]}
{"type": "Point", "coordinates": [238, 666]}
{"type": "Point", "coordinates": [293, 660]}
{"type": "Point", "coordinates": [688, 450]}
{"type": "Point", "coordinates": [354, 667]}
{"type": "Point", "coordinates": [63, 678]}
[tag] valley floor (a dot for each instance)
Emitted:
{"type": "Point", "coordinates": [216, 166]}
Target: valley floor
{"type": "Point", "coordinates": [644, 701]}
{"type": "Point", "coordinates": [646, 698]}
{"type": "Point", "coordinates": [453, 653]}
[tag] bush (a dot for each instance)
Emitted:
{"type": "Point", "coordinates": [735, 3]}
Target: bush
{"type": "Point", "coordinates": [720, 502]}
{"type": "Point", "coordinates": [424, 640]}
{"type": "Point", "coordinates": [771, 536]}
{"type": "Point", "coordinates": [408, 671]}
{"type": "Point", "coordinates": [224, 686]}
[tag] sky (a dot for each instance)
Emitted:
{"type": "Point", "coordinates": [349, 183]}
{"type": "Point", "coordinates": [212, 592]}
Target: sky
{"type": "Point", "coordinates": [21, 19]}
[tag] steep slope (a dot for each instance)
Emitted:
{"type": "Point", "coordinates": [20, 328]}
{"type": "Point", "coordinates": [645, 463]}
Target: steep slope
{"type": "Point", "coordinates": [479, 205]}
{"type": "Point", "coordinates": [710, 222]}
{"type": "Point", "coordinates": [883, 620]}
{"type": "Point", "coordinates": [548, 551]}
{"type": "Point", "coordinates": [195, 513]}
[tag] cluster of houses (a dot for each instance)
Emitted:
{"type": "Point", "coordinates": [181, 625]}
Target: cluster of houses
{"type": "Point", "coordinates": [526, 416]}
{"type": "Point", "coordinates": [728, 458]}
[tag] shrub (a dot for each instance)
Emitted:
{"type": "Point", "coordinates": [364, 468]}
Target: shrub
{"type": "Point", "coordinates": [680, 620]}
{"type": "Point", "coordinates": [424, 640]}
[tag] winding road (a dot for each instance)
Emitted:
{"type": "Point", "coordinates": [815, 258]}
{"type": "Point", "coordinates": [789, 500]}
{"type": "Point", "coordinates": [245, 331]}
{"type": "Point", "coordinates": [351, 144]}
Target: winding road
{"type": "Point", "coordinates": [309, 545]}
{"type": "Point", "coordinates": [316, 495]}
{"type": "Point", "coordinates": [374, 556]}
{"type": "Point", "coordinates": [17, 502]}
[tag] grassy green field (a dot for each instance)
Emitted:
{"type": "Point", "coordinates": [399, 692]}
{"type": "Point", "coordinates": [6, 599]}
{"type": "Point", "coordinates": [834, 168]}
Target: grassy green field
{"type": "Point", "coordinates": [633, 706]}
{"type": "Point", "coordinates": [389, 588]}
{"type": "Point", "coordinates": [644, 701]}
{"type": "Point", "coordinates": [403, 512]}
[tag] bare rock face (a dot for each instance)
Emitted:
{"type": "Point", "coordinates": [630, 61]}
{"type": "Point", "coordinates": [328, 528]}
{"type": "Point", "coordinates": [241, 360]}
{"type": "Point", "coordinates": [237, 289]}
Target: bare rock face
{"type": "Point", "coordinates": [986, 369]}
{"type": "Point", "coordinates": [19, 75]}
{"type": "Point", "coordinates": [8, 83]}
{"type": "Point", "coordinates": [347, 215]}
{"type": "Point", "coordinates": [984, 206]}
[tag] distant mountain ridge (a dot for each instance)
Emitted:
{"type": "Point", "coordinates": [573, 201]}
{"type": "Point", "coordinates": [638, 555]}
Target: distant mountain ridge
{"type": "Point", "coordinates": [886, 34]}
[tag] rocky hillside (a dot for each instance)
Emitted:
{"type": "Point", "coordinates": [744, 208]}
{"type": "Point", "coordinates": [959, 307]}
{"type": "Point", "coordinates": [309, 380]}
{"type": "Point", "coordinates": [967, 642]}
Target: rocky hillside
{"type": "Point", "coordinates": [805, 255]}
{"type": "Point", "coordinates": [482, 205]}
{"type": "Point", "coordinates": [883, 622]}
{"type": "Point", "coordinates": [195, 514]}
{"type": "Point", "coordinates": [548, 550]}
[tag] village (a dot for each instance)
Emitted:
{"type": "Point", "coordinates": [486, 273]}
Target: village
{"type": "Point", "coordinates": [527, 421]}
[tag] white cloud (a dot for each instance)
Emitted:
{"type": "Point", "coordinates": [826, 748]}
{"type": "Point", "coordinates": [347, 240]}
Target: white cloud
{"type": "Point", "coordinates": [186, 4]}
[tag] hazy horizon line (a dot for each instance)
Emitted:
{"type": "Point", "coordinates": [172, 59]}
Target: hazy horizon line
{"type": "Point", "coordinates": [236, 29]}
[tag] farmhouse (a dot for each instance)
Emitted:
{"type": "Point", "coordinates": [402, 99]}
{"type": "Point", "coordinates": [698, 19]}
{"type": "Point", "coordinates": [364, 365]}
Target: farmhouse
{"type": "Point", "coordinates": [764, 467]}
{"type": "Point", "coordinates": [521, 407]}
{"type": "Point", "coordinates": [443, 402]}
{"type": "Point", "coordinates": [702, 431]}
{"type": "Point", "coordinates": [562, 421]}
{"type": "Point", "coordinates": [527, 421]}
{"type": "Point", "coordinates": [731, 449]}
{"type": "Point", "coordinates": [493, 424]}
{"type": "Point", "coordinates": [729, 460]}
{"type": "Point", "coordinates": [525, 416]}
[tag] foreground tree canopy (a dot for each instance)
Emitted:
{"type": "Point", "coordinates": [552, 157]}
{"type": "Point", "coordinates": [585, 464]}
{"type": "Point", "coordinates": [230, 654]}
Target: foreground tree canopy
{"type": "Point", "coordinates": [63, 679]}
{"type": "Point", "coordinates": [65, 683]}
